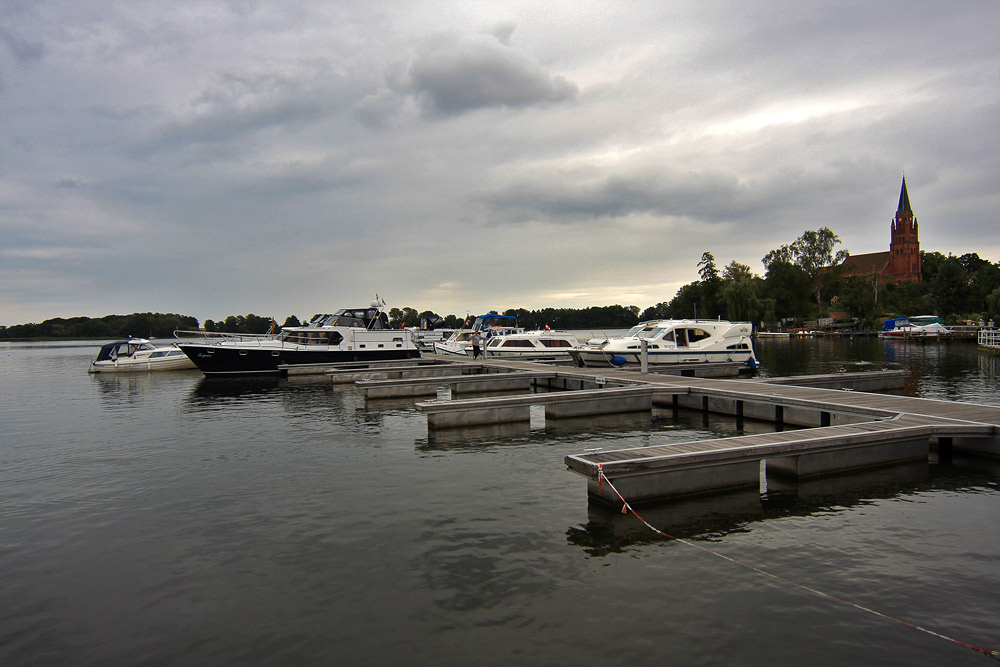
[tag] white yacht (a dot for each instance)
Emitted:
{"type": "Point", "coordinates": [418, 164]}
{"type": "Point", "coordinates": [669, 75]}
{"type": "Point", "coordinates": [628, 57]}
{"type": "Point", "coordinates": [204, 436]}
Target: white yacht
{"type": "Point", "coordinates": [670, 342]}
{"type": "Point", "coordinates": [350, 334]}
{"type": "Point", "coordinates": [139, 354]}
{"type": "Point", "coordinates": [488, 326]}
{"type": "Point", "coordinates": [543, 345]}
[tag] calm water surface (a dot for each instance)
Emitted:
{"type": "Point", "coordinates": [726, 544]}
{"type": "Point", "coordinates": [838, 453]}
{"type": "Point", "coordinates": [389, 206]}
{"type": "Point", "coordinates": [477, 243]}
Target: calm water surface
{"type": "Point", "coordinates": [167, 519]}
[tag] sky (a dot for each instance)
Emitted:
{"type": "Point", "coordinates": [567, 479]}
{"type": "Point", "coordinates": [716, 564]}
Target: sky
{"type": "Point", "coordinates": [290, 157]}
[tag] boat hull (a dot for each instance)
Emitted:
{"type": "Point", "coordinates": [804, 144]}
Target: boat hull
{"type": "Point", "coordinates": [219, 360]}
{"type": "Point", "coordinates": [177, 363]}
{"type": "Point", "coordinates": [605, 358]}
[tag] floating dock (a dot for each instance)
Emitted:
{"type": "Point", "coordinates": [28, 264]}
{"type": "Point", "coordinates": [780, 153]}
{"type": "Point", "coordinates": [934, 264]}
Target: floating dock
{"type": "Point", "coordinates": [824, 424]}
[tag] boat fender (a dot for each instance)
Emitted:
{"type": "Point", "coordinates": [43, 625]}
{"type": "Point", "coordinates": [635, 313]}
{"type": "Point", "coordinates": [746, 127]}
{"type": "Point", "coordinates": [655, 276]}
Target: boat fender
{"type": "Point", "coordinates": [752, 363]}
{"type": "Point", "coordinates": [619, 361]}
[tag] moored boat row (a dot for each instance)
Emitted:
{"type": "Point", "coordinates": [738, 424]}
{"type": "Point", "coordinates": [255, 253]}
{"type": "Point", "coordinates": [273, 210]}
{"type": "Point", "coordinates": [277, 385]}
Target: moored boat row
{"type": "Point", "coordinates": [363, 334]}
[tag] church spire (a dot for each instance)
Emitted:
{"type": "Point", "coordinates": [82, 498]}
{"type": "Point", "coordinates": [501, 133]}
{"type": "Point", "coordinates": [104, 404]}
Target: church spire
{"type": "Point", "coordinates": [904, 200]}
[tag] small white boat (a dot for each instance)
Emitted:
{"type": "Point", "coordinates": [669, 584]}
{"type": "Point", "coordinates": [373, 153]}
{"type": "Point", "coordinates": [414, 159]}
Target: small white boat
{"type": "Point", "coordinates": [671, 342]}
{"type": "Point", "coordinates": [426, 338]}
{"type": "Point", "coordinates": [139, 354]}
{"type": "Point", "coordinates": [923, 326]}
{"type": "Point", "coordinates": [543, 345]}
{"type": "Point", "coordinates": [488, 326]}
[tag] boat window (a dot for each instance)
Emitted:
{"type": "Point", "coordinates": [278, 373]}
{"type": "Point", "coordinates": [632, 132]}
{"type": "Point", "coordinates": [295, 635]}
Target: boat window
{"type": "Point", "coordinates": [557, 342]}
{"type": "Point", "coordinates": [669, 336]}
{"type": "Point", "coordinates": [651, 332]}
{"type": "Point", "coordinates": [516, 343]}
{"type": "Point", "coordinates": [738, 346]}
{"type": "Point", "coordinates": [694, 335]}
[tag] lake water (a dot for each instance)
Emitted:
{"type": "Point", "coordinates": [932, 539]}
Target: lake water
{"type": "Point", "coordinates": [167, 519]}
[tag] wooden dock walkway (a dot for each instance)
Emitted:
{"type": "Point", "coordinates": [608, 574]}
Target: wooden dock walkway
{"type": "Point", "coordinates": [897, 429]}
{"type": "Point", "coordinates": [840, 424]}
{"type": "Point", "coordinates": [845, 429]}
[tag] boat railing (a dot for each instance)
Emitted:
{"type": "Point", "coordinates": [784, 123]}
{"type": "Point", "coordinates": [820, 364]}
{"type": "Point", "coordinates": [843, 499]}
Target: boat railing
{"type": "Point", "coordinates": [217, 337]}
{"type": "Point", "coordinates": [989, 337]}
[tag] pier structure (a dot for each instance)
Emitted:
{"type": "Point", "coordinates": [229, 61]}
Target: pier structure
{"type": "Point", "coordinates": [824, 425]}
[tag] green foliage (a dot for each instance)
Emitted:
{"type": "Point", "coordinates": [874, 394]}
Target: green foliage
{"type": "Point", "coordinates": [146, 325]}
{"type": "Point", "coordinates": [813, 253]}
{"type": "Point", "coordinates": [241, 324]}
{"type": "Point", "coordinates": [789, 287]}
{"type": "Point", "coordinates": [993, 304]}
{"type": "Point", "coordinates": [950, 288]}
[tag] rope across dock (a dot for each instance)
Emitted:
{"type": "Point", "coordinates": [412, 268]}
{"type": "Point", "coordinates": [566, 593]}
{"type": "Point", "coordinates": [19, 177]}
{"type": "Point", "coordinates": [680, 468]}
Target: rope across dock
{"type": "Point", "coordinates": [628, 509]}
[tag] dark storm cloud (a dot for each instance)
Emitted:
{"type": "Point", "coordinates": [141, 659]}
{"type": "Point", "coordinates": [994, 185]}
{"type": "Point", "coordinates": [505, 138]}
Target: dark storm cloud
{"type": "Point", "coordinates": [23, 50]}
{"type": "Point", "coordinates": [454, 75]}
{"type": "Point", "coordinates": [575, 197]}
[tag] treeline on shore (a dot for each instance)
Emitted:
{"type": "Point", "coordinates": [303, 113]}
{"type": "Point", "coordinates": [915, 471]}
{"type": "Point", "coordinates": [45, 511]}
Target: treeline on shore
{"type": "Point", "coordinates": [162, 325]}
{"type": "Point", "coordinates": [802, 281]}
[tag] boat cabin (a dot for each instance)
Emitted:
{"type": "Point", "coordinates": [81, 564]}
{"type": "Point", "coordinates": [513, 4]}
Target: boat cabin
{"type": "Point", "coordinates": [122, 349]}
{"type": "Point", "coordinates": [366, 318]}
{"type": "Point", "coordinates": [681, 336]}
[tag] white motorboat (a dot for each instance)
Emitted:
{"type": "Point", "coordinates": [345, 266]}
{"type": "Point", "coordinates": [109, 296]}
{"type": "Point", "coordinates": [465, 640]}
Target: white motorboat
{"type": "Point", "coordinates": [543, 345]}
{"type": "Point", "coordinates": [672, 342]}
{"type": "Point", "coordinates": [139, 354]}
{"type": "Point", "coordinates": [426, 338]}
{"type": "Point", "coordinates": [487, 326]}
{"type": "Point", "coordinates": [922, 327]}
{"type": "Point", "coordinates": [350, 334]}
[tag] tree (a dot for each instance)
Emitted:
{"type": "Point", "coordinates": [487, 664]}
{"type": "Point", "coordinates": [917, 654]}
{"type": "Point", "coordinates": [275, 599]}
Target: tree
{"type": "Point", "coordinates": [789, 288]}
{"type": "Point", "coordinates": [711, 285]}
{"type": "Point", "coordinates": [950, 288]}
{"type": "Point", "coordinates": [813, 253]}
{"type": "Point", "coordinates": [993, 304]}
{"type": "Point", "coordinates": [685, 302]}
{"type": "Point", "coordinates": [861, 298]}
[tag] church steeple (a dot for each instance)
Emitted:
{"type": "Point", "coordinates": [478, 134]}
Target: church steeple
{"type": "Point", "coordinates": [904, 200]}
{"type": "Point", "coordinates": [904, 244]}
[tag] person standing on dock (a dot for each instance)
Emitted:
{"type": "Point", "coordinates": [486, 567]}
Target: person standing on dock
{"type": "Point", "coordinates": [475, 340]}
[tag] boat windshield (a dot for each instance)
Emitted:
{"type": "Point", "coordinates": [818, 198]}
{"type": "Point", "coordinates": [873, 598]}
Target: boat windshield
{"type": "Point", "coordinates": [645, 331]}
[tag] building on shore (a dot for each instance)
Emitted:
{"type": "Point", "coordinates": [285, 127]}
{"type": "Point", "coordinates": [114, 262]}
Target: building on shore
{"type": "Point", "coordinates": [901, 263]}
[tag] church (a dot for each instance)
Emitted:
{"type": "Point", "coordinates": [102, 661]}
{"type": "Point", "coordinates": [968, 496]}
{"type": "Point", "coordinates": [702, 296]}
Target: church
{"type": "Point", "coordinates": [901, 264]}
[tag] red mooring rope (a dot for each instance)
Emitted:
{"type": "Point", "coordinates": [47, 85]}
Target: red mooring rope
{"type": "Point", "coordinates": [626, 508]}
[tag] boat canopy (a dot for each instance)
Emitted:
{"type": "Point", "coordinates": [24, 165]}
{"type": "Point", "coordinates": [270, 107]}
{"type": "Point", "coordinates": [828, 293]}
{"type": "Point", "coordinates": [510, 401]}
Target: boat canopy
{"type": "Point", "coordinates": [896, 323]}
{"type": "Point", "coordinates": [122, 348]}
{"type": "Point", "coordinates": [368, 318]}
{"type": "Point", "coordinates": [487, 320]}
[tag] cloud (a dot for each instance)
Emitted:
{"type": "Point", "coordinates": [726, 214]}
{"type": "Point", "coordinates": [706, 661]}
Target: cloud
{"type": "Point", "coordinates": [452, 75]}
{"type": "Point", "coordinates": [299, 156]}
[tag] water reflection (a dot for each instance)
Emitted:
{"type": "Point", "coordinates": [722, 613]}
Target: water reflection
{"type": "Point", "coordinates": [951, 370]}
{"type": "Point", "coordinates": [711, 516]}
{"type": "Point", "coordinates": [310, 401]}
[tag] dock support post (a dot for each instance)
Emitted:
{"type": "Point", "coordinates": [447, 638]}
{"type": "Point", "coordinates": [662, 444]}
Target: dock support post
{"type": "Point", "coordinates": [824, 418]}
{"type": "Point", "coordinates": [944, 450]}
{"type": "Point", "coordinates": [779, 418]}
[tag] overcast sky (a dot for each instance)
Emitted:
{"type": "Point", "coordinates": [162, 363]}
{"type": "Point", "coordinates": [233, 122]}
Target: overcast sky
{"type": "Point", "coordinates": [291, 157]}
